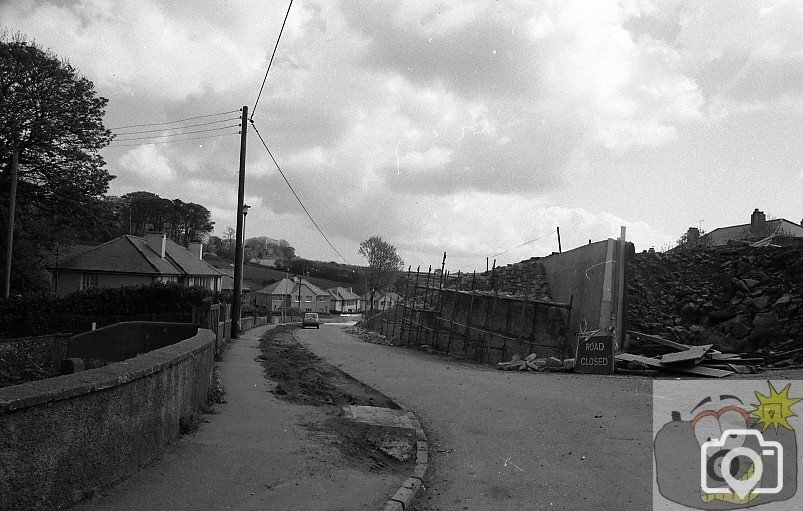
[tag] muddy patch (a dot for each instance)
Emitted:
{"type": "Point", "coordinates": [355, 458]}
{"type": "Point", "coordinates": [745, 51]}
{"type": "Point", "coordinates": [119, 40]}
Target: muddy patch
{"type": "Point", "coordinates": [303, 378]}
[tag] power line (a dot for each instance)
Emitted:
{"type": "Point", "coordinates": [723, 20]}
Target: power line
{"type": "Point", "coordinates": [253, 110]}
{"type": "Point", "coordinates": [514, 248]}
{"type": "Point", "coordinates": [228, 119]}
{"type": "Point", "coordinates": [179, 134]}
{"type": "Point", "coordinates": [173, 122]}
{"type": "Point", "coordinates": [174, 140]}
{"type": "Point", "coordinates": [295, 194]}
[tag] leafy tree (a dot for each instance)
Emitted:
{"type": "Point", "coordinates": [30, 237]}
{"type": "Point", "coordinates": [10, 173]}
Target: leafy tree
{"type": "Point", "coordinates": [54, 119]}
{"type": "Point", "coordinates": [383, 264]}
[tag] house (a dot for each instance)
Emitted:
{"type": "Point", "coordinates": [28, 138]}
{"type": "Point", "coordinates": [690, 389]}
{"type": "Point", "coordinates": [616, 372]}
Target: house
{"type": "Point", "coordinates": [248, 289]}
{"type": "Point", "coordinates": [382, 300]}
{"type": "Point", "coordinates": [759, 228]}
{"type": "Point", "coordinates": [293, 292]}
{"type": "Point", "coordinates": [343, 300]}
{"type": "Point", "coordinates": [134, 261]}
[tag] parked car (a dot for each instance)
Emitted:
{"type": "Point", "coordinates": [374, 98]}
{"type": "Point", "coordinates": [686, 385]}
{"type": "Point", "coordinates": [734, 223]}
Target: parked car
{"type": "Point", "coordinates": [310, 319]}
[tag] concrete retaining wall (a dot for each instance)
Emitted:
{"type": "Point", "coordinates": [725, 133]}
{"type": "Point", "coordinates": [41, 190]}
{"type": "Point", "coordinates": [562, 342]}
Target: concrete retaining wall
{"type": "Point", "coordinates": [64, 438]}
{"type": "Point", "coordinates": [585, 273]}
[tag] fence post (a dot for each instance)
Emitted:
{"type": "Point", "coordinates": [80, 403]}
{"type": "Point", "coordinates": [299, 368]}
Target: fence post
{"type": "Point", "coordinates": [412, 315]}
{"type": "Point", "coordinates": [470, 310]}
{"type": "Point", "coordinates": [454, 311]}
{"type": "Point", "coordinates": [423, 308]}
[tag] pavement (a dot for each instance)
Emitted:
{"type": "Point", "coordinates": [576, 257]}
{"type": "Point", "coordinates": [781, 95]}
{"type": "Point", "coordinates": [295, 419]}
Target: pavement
{"type": "Point", "coordinates": [255, 453]}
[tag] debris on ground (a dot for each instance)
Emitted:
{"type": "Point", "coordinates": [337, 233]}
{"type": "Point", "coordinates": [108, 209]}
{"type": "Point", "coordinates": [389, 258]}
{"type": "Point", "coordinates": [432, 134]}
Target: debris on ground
{"type": "Point", "coordinates": [533, 363]}
{"type": "Point", "coordinates": [654, 355]}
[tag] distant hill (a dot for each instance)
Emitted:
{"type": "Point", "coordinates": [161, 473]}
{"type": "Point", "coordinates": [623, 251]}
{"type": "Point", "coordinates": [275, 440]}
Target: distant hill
{"type": "Point", "coordinates": [265, 275]}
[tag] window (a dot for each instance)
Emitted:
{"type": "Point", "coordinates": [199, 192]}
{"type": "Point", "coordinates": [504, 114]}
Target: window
{"type": "Point", "coordinates": [308, 299]}
{"type": "Point", "coordinates": [89, 280]}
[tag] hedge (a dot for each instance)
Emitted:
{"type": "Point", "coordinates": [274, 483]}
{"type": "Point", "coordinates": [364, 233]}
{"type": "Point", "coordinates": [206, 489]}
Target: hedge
{"type": "Point", "coordinates": [44, 314]}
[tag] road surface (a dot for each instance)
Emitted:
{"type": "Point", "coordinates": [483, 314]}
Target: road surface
{"type": "Point", "coordinates": [512, 440]}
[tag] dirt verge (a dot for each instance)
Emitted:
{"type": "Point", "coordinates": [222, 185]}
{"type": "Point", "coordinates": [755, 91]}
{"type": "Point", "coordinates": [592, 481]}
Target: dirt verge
{"type": "Point", "coordinates": [303, 378]}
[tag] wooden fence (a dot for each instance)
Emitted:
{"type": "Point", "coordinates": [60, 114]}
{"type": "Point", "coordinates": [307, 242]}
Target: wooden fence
{"type": "Point", "coordinates": [485, 326]}
{"type": "Point", "coordinates": [217, 318]}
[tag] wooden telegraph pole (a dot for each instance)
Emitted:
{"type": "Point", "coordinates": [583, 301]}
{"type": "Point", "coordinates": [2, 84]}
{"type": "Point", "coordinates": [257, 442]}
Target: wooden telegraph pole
{"type": "Point", "coordinates": [12, 202]}
{"type": "Point", "coordinates": [238, 251]}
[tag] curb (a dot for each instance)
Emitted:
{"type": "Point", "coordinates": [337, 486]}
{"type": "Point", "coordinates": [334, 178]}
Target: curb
{"type": "Point", "coordinates": [411, 488]}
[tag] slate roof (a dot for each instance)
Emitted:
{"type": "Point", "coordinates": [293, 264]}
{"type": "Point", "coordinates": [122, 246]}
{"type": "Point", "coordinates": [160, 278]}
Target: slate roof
{"type": "Point", "coordinates": [341, 293]}
{"type": "Point", "coordinates": [287, 286]}
{"type": "Point", "coordinates": [721, 235]}
{"type": "Point", "coordinates": [132, 255]}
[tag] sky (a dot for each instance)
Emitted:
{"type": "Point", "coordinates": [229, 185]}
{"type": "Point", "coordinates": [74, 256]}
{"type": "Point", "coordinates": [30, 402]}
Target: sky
{"type": "Point", "coordinates": [459, 126]}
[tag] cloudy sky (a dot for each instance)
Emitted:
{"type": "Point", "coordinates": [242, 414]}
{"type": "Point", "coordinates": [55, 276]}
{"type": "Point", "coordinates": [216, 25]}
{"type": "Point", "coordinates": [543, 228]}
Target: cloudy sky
{"type": "Point", "coordinates": [462, 126]}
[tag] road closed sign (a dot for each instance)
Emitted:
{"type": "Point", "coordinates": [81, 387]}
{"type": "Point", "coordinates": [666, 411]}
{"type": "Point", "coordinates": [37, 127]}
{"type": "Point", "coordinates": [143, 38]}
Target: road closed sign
{"type": "Point", "coordinates": [595, 354]}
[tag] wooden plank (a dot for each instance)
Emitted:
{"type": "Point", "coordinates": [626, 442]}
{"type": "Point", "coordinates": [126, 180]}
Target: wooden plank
{"type": "Point", "coordinates": [691, 355]}
{"type": "Point", "coordinates": [652, 362]}
{"type": "Point", "coordinates": [659, 340]}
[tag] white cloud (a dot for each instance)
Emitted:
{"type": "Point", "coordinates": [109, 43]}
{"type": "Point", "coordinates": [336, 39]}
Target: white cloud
{"type": "Point", "coordinates": [140, 45]}
{"type": "Point", "coordinates": [148, 164]}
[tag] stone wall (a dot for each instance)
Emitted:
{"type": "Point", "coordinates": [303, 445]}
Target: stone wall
{"type": "Point", "coordinates": [738, 298]}
{"type": "Point", "coordinates": [62, 439]}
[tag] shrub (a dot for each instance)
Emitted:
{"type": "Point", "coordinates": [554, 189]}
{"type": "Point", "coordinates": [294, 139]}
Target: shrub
{"type": "Point", "coordinates": [42, 314]}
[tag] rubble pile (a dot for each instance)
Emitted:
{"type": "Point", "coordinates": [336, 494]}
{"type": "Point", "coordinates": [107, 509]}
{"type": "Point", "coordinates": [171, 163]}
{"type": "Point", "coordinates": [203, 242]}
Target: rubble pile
{"type": "Point", "coordinates": [533, 363]}
{"type": "Point", "coordinates": [734, 298]}
{"type": "Point", "coordinates": [526, 279]}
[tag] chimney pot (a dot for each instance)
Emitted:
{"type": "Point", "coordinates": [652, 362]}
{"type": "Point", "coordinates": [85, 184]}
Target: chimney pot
{"type": "Point", "coordinates": [156, 241]}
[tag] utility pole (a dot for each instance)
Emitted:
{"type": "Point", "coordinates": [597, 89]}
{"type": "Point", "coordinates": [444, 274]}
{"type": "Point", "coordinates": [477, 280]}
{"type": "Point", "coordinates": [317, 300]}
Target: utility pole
{"type": "Point", "coordinates": [238, 250]}
{"type": "Point", "coordinates": [12, 202]}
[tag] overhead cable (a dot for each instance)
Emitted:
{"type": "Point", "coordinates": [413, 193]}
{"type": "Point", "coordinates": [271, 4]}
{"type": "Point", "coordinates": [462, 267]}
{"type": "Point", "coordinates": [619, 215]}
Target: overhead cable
{"type": "Point", "coordinates": [514, 248]}
{"type": "Point", "coordinates": [174, 122]}
{"type": "Point", "coordinates": [172, 141]}
{"type": "Point", "coordinates": [296, 195]}
{"type": "Point", "coordinates": [228, 119]}
{"type": "Point", "coordinates": [271, 61]}
{"type": "Point", "coordinates": [179, 134]}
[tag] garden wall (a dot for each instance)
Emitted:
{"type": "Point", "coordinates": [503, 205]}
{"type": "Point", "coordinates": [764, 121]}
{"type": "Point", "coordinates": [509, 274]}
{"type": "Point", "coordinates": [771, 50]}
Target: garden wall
{"type": "Point", "coordinates": [62, 439]}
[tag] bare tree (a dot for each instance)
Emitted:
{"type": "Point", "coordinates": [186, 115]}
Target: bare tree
{"type": "Point", "coordinates": [383, 264]}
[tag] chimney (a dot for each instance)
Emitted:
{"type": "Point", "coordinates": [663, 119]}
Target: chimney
{"type": "Point", "coordinates": [196, 248]}
{"type": "Point", "coordinates": [156, 240]}
{"type": "Point", "coordinates": [757, 220]}
{"type": "Point", "coordinates": [693, 234]}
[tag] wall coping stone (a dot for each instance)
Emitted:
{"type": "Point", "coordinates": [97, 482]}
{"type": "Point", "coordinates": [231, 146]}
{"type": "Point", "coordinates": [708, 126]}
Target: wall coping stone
{"type": "Point", "coordinates": [30, 394]}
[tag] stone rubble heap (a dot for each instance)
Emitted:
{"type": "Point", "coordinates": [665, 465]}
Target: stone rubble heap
{"type": "Point", "coordinates": [736, 298]}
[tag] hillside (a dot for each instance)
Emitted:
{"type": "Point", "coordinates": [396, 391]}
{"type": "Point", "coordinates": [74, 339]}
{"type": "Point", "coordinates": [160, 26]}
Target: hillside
{"type": "Point", "coordinates": [264, 275]}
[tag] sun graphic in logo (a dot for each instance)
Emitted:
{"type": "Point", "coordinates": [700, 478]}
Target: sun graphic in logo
{"type": "Point", "coordinates": [775, 408]}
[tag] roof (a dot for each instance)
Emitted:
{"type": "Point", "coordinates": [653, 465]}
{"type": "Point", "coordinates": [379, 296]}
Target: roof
{"type": "Point", "coordinates": [132, 255]}
{"type": "Point", "coordinates": [341, 293]}
{"type": "Point", "coordinates": [382, 295]}
{"type": "Point", "coordinates": [721, 235]}
{"type": "Point", "coordinates": [288, 287]}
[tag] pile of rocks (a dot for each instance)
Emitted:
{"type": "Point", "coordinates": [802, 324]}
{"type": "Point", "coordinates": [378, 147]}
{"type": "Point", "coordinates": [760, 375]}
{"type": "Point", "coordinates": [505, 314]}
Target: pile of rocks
{"type": "Point", "coordinates": [533, 363]}
{"type": "Point", "coordinates": [526, 279]}
{"type": "Point", "coordinates": [737, 298]}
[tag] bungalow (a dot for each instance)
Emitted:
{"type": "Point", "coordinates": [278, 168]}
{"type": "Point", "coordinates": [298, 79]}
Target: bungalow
{"type": "Point", "coordinates": [248, 287]}
{"type": "Point", "coordinates": [382, 300]}
{"type": "Point", "coordinates": [759, 228]}
{"type": "Point", "coordinates": [133, 261]}
{"type": "Point", "coordinates": [293, 293]}
{"type": "Point", "coordinates": [343, 300]}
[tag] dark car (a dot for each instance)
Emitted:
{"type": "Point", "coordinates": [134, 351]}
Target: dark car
{"type": "Point", "coordinates": [310, 319]}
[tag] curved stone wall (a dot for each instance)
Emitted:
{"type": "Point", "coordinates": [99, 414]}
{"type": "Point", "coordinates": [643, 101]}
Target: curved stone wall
{"type": "Point", "coordinates": [64, 438]}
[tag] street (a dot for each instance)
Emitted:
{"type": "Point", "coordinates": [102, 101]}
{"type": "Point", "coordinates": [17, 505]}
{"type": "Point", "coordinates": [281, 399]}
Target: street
{"type": "Point", "coordinates": [509, 440]}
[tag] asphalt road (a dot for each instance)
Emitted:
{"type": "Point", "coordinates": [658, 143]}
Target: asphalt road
{"type": "Point", "coordinates": [510, 440]}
